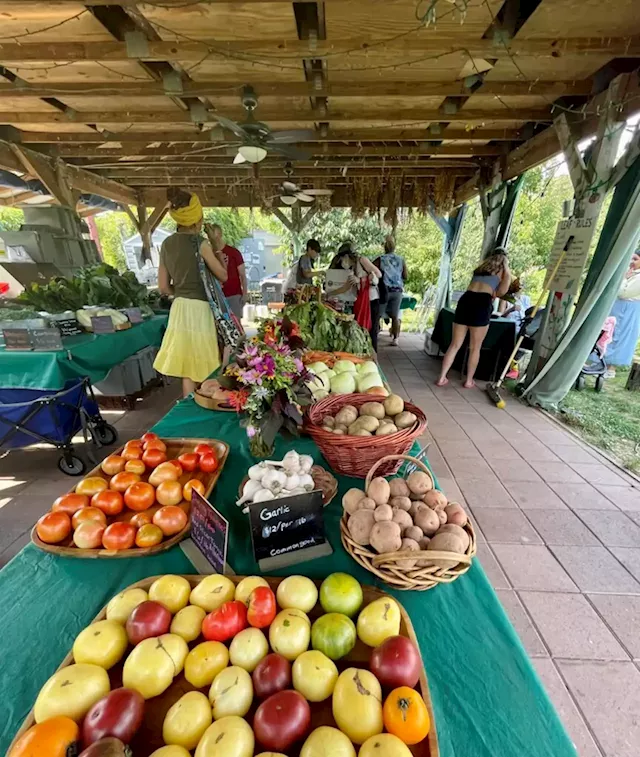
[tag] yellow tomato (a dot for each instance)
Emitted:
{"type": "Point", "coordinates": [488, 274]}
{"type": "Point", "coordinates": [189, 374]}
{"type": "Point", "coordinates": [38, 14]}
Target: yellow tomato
{"type": "Point", "coordinates": [171, 591]}
{"type": "Point", "coordinates": [326, 741]}
{"type": "Point", "coordinates": [188, 622]}
{"type": "Point", "coordinates": [123, 604]}
{"type": "Point", "coordinates": [298, 592]}
{"type": "Point", "coordinates": [314, 676]}
{"type": "Point", "coordinates": [171, 751]}
{"type": "Point", "coordinates": [384, 744]}
{"type": "Point", "coordinates": [102, 643]}
{"type": "Point", "coordinates": [188, 719]}
{"type": "Point", "coordinates": [176, 647]}
{"type": "Point", "coordinates": [231, 693]}
{"type": "Point", "coordinates": [248, 648]}
{"type": "Point", "coordinates": [212, 592]}
{"type": "Point", "coordinates": [357, 704]}
{"type": "Point", "coordinates": [247, 585]}
{"type": "Point", "coordinates": [204, 662]}
{"type": "Point", "coordinates": [378, 621]}
{"type": "Point", "coordinates": [148, 669]}
{"type": "Point", "coordinates": [227, 737]}
{"type": "Point", "coordinates": [290, 633]}
{"type": "Point", "coordinates": [71, 692]}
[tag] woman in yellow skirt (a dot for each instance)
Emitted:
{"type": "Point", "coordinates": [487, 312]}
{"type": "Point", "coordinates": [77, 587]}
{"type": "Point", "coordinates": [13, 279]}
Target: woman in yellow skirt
{"type": "Point", "coordinates": [189, 348]}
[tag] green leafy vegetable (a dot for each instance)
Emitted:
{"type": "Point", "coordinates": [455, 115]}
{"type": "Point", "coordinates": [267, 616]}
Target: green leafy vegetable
{"type": "Point", "coordinates": [322, 328]}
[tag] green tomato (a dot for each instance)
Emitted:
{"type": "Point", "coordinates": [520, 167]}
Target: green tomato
{"type": "Point", "coordinates": [340, 592]}
{"type": "Point", "coordinates": [334, 635]}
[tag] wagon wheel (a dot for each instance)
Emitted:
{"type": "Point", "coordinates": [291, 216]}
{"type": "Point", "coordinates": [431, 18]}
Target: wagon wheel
{"type": "Point", "coordinates": [106, 434]}
{"type": "Point", "coordinates": [72, 465]}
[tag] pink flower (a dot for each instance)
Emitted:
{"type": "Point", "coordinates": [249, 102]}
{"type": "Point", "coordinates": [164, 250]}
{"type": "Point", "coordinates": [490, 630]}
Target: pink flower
{"type": "Point", "coordinates": [251, 431]}
{"type": "Point", "coordinates": [298, 364]}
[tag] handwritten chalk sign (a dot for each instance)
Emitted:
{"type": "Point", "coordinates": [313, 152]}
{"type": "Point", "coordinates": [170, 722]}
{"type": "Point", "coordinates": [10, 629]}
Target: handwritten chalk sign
{"type": "Point", "coordinates": [46, 340]}
{"type": "Point", "coordinates": [17, 339]}
{"type": "Point", "coordinates": [102, 324]}
{"type": "Point", "coordinates": [68, 326]}
{"type": "Point", "coordinates": [133, 314]}
{"type": "Point", "coordinates": [288, 531]}
{"type": "Point", "coordinates": [209, 531]}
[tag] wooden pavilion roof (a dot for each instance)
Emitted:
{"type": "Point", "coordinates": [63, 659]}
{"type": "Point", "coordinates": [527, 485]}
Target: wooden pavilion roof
{"type": "Point", "coordinates": [121, 96]}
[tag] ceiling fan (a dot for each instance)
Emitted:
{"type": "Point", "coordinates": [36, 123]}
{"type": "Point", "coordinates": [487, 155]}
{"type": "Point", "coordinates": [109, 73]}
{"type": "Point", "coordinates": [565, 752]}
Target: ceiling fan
{"type": "Point", "coordinates": [290, 192]}
{"type": "Point", "coordinates": [256, 139]}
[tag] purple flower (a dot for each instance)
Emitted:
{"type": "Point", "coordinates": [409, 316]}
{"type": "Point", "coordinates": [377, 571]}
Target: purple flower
{"type": "Point", "coordinates": [298, 364]}
{"type": "Point", "coordinates": [251, 377]}
{"type": "Point", "coordinates": [251, 350]}
{"type": "Point", "coordinates": [251, 431]}
{"type": "Point", "coordinates": [283, 349]}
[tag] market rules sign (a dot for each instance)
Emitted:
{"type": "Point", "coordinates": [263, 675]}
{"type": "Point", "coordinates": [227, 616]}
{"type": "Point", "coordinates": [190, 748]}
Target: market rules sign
{"type": "Point", "coordinates": [573, 237]}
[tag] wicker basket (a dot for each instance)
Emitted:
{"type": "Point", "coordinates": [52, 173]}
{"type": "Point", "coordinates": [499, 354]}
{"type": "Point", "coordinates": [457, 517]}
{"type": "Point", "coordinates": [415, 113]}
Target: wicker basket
{"type": "Point", "coordinates": [354, 455]}
{"type": "Point", "coordinates": [323, 480]}
{"type": "Point", "coordinates": [384, 566]}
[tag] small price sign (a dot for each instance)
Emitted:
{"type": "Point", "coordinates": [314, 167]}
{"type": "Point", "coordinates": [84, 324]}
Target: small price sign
{"type": "Point", "coordinates": [133, 314]}
{"type": "Point", "coordinates": [68, 326]}
{"type": "Point", "coordinates": [46, 340]}
{"type": "Point", "coordinates": [17, 339]}
{"type": "Point", "coordinates": [209, 531]}
{"type": "Point", "coordinates": [102, 324]}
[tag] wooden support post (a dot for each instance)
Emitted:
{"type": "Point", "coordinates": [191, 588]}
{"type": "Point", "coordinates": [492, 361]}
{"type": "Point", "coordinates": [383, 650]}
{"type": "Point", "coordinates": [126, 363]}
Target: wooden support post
{"type": "Point", "coordinates": [54, 178]}
{"type": "Point", "coordinates": [633, 381]}
{"type": "Point", "coordinates": [282, 218]}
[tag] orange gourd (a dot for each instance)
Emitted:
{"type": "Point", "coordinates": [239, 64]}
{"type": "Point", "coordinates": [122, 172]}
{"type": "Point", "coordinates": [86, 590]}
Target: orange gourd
{"type": "Point", "coordinates": [405, 715]}
{"type": "Point", "coordinates": [53, 737]}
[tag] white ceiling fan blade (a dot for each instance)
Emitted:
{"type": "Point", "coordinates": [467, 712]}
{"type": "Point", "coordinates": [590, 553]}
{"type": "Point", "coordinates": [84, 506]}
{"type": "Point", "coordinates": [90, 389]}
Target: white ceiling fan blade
{"type": "Point", "coordinates": [239, 159]}
{"type": "Point", "coordinates": [318, 192]}
{"type": "Point", "coordinates": [288, 199]}
{"type": "Point", "coordinates": [304, 197]}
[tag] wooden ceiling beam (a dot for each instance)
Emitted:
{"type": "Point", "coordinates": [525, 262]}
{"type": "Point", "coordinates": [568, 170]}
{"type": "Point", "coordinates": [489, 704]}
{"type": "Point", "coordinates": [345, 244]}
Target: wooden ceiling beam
{"type": "Point", "coordinates": [433, 43]}
{"type": "Point", "coordinates": [223, 175]}
{"type": "Point", "coordinates": [300, 170]}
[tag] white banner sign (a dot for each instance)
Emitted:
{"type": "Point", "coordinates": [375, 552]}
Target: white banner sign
{"type": "Point", "coordinates": [580, 231]}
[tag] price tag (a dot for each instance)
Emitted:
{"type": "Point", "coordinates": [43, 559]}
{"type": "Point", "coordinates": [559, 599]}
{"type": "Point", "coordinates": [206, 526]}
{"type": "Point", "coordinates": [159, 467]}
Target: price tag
{"type": "Point", "coordinates": [46, 340]}
{"type": "Point", "coordinates": [133, 314]}
{"type": "Point", "coordinates": [288, 531]}
{"type": "Point", "coordinates": [17, 339]}
{"type": "Point", "coordinates": [209, 532]}
{"type": "Point", "coordinates": [68, 326]}
{"type": "Point", "coordinates": [102, 324]}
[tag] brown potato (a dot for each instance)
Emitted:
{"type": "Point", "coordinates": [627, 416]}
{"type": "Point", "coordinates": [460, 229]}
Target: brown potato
{"type": "Point", "coordinates": [367, 504]}
{"type": "Point", "coordinates": [385, 537]}
{"type": "Point", "coordinates": [404, 503]}
{"type": "Point", "coordinates": [415, 506]}
{"type": "Point", "coordinates": [379, 490]}
{"type": "Point", "coordinates": [419, 482]}
{"type": "Point", "coordinates": [360, 525]}
{"type": "Point", "coordinates": [427, 519]}
{"type": "Point", "coordinates": [383, 512]}
{"type": "Point", "coordinates": [351, 500]}
{"type": "Point", "coordinates": [451, 528]}
{"type": "Point", "coordinates": [413, 532]}
{"type": "Point", "coordinates": [408, 545]}
{"type": "Point", "coordinates": [456, 515]}
{"type": "Point", "coordinates": [442, 515]}
{"type": "Point", "coordinates": [445, 543]}
{"type": "Point", "coordinates": [402, 518]}
{"type": "Point", "coordinates": [399, 488]}
{"type": "Point", "coordinates": [435, 499]}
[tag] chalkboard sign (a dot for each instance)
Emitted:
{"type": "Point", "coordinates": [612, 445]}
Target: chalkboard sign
{"type": "Point", "coordinates": [288, 531]}
{"type": "Point", "coordinates": [102, 324]}
{"type": "Point", "coordinates": [209, 531]}
{"type": "Point", "coordinates": [68, 326]}
{"type": "Point", "coordinates": [133, 314]}
{"type": "Point", "coordinates": [17, 339]}
{"type": "Point", "coordinates": [46, 340]}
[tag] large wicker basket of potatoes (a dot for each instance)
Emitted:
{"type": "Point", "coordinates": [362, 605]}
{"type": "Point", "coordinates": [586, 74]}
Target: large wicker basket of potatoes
{"type": "Point", "coordinates": [405, 531]}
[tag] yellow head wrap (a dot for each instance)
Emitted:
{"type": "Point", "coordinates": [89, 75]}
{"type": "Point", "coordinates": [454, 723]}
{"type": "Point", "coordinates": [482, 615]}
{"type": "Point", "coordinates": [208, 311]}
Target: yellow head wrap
{"type": "Point", "coordinates": [190, 215]}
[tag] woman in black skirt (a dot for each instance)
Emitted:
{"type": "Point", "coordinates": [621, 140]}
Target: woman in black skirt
{"type": "Point", "coordinates": [473, 314]}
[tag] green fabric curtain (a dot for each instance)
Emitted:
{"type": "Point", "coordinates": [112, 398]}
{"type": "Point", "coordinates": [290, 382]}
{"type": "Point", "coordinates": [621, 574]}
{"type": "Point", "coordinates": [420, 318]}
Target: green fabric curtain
{"type": "Point", "coordinates": [618, 241]}
{"type": "Point", "coordinates": [498, 209]}
{"type": "Point", "coordinates": [451, 228]}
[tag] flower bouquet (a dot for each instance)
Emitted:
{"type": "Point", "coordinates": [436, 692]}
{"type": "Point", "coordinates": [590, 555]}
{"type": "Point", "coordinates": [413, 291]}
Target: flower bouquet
{"type": "Point", "coordinates": [268, 383]}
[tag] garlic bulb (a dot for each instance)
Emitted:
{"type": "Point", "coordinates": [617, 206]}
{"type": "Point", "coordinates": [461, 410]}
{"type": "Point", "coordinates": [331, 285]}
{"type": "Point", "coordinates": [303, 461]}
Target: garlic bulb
{"type": "Point", "coordinates": [307, 482]}
{"type": "Point", "coordinates": [306, 463]}
{"type": "Point", "coordinates": [291, 462]}
{"type": "Point", "coordinates": [274, 480]}
{"type": "Point", "coordinates": [249, 490]}
{"type": "Point", "coordinates": [264, 495]}
{"type": "Point", "coordinates": [292, 482]}
{"type": "Point", "coordinates": [256, 472]}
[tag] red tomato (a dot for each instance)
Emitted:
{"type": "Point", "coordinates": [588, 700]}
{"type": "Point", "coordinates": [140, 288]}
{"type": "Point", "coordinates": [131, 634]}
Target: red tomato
{"type": "Point", "coordinates": [271, 674]}
{"type": "Point", "coordinates": [155, 444]}
{"type": "Point", "coordinates": [176, 464]}
{"type": "Point", "coordinates": [118, 714]}
{"type": "Point", "coordinates": [149, 437]}
{"type": "Point", "coordinates": [109, 501]}
{"type": "Point", "coordinates": [88, 514]}
{"type": "Point", "coordinates": [139, 496]}
{"type": "Point", "coordinates": [396, 662]}
{"type": "Point", "coordinates": [113, 464]}
{"type": "Point", "coordinates": [147, 620]}
{"type": "Point", "coordinates": [135, 466]}
{"type": "Point", "coordinates": [194, 483]}
{"type": "Point", "coordinates": [88, 535]}
{"type": "Point", "coordinates": [53, 528]}
{"type": "Point", "coordinates": [91, 485]}
{"type": "Point", "coordinates": [281, 720]}
{"type": "Point", "coordinates": [208, 463]}
{"type": "Point", "coordinates": [261, 609]}
{"type": "Point", "coordinates": [203, 449]}
{"type": "Point", "coordinates": [119, 536]}
{"type": "Point", "coordinates": [141, 519]}
{"type": "Point", "coordinates": [149, 535]}
{"type": "Point", "coordinates": [122, 481]}
{"type": "Point", "coordinates": [164, 472]}
{"type": "Point", "coordinates": [169, 493]}
{"type": "Point", "coordinates": [132, 453]}
{"type": "Point", "coordinates": [225, 622]}
{"type": "Point", "coordinates": [170, 519]}
{"type": "Point", "coordinates": [134, 443]}
{"type": "Point", "coordinates": [189, 461]}
{"type": "Point", "coordinates": [153, 457]}
{"type": "Point", "coordinates": [70, 503]}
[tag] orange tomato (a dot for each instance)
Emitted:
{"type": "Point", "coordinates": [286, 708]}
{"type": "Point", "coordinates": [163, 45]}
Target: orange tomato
{"type": "Point", "coordinates": [155, 444]}
{"type": "Point", "coordinates": [164, 472]}
{"type": "Point", "coordinates": [132, 453]}
{"type": "Point", "coordinates": [189, 461]}
{"type": "Point", "coordinates": [122, 481]}
{"type": "Point", "coordinates": [53, 528]}
{"type": "Point", "coordinates": [54, 737]}
{"type": "Point", "coordinates": [109, 501]}
{"type": "Point", "coordinates": [69, 503]}
{"type": "Point", "coordinates": [193, 483]}
{"type": "Point", "coordinates": [170, 519]}
{"type": "Point", "coordinates": [149, 437]}
{"type": "Point", "coordinates": [149, 535]}
{"type": "Point", "coordinates": [87, 514]}
{"type": "Point", "coordinates": [139, 496]}
{"type": "Point", "coordinates": [153, 457]}
{"type": "Point", "coordinates": [177, 466]}
{"type": "Point", "coordinates": [169, 493]}
{"type": "Point", "coordinates": [203, 449]}
{"type": "Point", "coordinates": [135, 466]}
{"type": "Point", "coordinates": [208, 463]}
{"type": "Point", "coordinates": [119, 536]}
{"type": "Point", "coordinates": [113, 464]}
{"type": "Point", "coordinates": [91, 485]}
{"type": "Point", "coordinates": [405, 715]}
{"type": "Point", "coordinates": [141, 519]}
{"type": "Point", "coordinates": [88, 535]}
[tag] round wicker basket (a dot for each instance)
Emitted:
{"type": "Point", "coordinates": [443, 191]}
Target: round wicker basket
{"type": "Point", "coordinates": [354, 455]}
{"type": "Point", "coordinates": [385, 566]}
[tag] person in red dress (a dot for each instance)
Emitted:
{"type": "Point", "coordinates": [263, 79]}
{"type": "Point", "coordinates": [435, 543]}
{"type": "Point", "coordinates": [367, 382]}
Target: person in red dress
{"type": "Point", "coordinates": [235, 287]}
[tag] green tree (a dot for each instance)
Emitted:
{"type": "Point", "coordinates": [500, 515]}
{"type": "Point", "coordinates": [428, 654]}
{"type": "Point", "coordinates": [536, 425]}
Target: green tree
{"type": "Point", "coordinates": [11, 219]}
{"type": "Point", "coordinates": [233, 221]}
{"type": "Point", "coordinates": [419, 240]}
{"type": "Point", "coordinates": [113, 229]}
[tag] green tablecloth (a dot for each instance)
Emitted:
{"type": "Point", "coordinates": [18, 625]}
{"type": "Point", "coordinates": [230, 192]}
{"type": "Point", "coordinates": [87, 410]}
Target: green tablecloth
{"type": "Point", "coordinates": [84, 355]}
{"type": "Point", "coordinates": [487, 698]}
{"type": "Point", "coordinates": [408, 302]}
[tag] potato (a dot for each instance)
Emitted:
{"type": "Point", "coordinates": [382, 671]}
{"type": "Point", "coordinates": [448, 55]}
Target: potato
{"type": "Point", "coordinates": [424, 542]}
{"type": "Point", "coordinates": [360, 525]}
{"type": "Point", "coordinates": [346, 415]}
{"type": "Point", "coordinates": [415, 506]}
{"type": "Point", "coordinates": [329, 420]}
{"type": "Point", "coordinates": [413, 532]}
{"type": "Point", "coordinates": [442, 515]}
{"type": "Point", "coordinates": [456, 515]}
{"type": "Point", "coordinates": [387, 419]}
{"type": "Point", "coordinates": [374, 409]}
{"type": "Point", "coordinates": [338, 431]}
{"type": "Point", "coordinates": [404, 503]}
{"type": "Point", "coordinates": [367, 504]}
{"type": "Point", "coordinates": [393, 405]}
{"type": "Point", "coordinates": [427, 519]}
{"type": "Point", "coordinates": [408, 545]}
{"type": "Point", "coordinates": [435, 499]}
{"type": "Point", "coordinates": [378, 490]}
{"type": "Point", "coordinates": [405, 420]}
{"type": "Point", "coordinates": [419, 483]}
{"type": "Point", "coordinates": [445, 543]}
{"type": "Point", "coordinates": [399, 487]}
{"type": "Point", "coordinates": [386, 429]}
{"type": "Point", "coordinates": [386, 537]}
{"type": "Point", "coordinates": [402, 518]}
{"type": "Point", "coordinates": [451, 528]}
{"type": "Point", "coordinates": [368, 423]}
{"type": "Point", "coordinates": [362, 432]}
{"type": "Point", "coordinates": [341, 427]}
{"type": "Point", "coordinates": [383, 512]}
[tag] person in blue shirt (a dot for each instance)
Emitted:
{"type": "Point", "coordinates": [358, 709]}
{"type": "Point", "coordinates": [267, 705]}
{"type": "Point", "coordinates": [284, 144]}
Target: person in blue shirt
{"type": "Point", "coordinates": [394, 274]}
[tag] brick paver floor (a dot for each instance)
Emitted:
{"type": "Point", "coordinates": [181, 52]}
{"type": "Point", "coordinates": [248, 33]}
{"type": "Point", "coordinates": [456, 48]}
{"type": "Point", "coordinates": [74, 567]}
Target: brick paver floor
{"type": "Point", "coordinates": [558, 528]}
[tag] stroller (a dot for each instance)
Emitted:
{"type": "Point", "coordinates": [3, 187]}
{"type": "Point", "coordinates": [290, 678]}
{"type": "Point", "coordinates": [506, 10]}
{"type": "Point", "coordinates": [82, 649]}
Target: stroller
{"type": "Point", "coordinates": [28, 416]}
{"type": "Point", "coordinates": [596, 364]}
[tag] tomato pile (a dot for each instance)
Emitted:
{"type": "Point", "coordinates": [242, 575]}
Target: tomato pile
{"type": "Point", "coordinates": [121, 510]}
{"type": "Point", "coordinates": [257, 664]}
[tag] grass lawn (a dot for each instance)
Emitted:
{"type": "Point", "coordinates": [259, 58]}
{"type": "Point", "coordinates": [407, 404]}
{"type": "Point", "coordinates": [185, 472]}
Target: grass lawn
{"type": "Point", "coordinates": [609, 419]}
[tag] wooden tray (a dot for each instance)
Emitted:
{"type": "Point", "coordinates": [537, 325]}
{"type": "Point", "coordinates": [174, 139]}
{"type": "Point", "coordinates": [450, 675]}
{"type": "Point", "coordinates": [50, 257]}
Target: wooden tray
{"type": "Point", "coordinates": [175, 447]}
{"type": "Point", "coordinates": [323, 480]}
{"type": "Point", "coordinates": [209, 403]}
{"type": "Point", "coordinates": [149, 737]}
